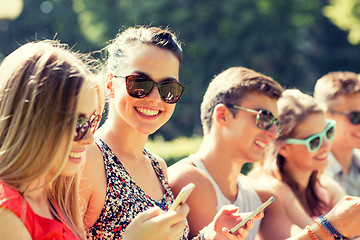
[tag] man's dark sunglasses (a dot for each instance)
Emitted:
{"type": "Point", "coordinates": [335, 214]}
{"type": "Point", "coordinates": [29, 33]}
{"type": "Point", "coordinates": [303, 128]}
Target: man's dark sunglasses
{"type": "Point", "coordinates": [264, 118]}
{"type": "Point", "coordinates": [139, 86]}
{"type": "Point", "coordinates": [354, 117]}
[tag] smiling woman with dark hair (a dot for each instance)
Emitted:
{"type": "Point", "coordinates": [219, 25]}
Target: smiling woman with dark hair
{"type": "Point", "coordinates": [121, 178]}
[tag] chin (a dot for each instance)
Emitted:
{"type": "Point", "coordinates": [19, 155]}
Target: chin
{"type": "Point", "coordinates": [70, 170]}
{"type": "Point", "coordinates": [148, 131]}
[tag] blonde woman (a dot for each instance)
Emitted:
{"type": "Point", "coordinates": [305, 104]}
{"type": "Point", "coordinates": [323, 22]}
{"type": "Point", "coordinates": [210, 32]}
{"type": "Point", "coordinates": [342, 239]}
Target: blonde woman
{"type": "Point", "coordinates": [49, 109]}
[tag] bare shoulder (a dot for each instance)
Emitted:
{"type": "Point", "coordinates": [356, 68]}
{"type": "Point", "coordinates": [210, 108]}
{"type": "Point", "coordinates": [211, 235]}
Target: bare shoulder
{"type": "Point", "coordinates": [267, 186]}
{"type": "Point", "coordinates": [92, 167]}
{"type": "Point", "coordinates": [336, 192]}
{"type": "Point", "coordinates": [203, 199]}
{"type": "Point", "coordinates": [93, 184]}
{"type": "Point", "coordinates": [280, 216]}
{"type": "Point", "coordinates": [183, 173]}
{"type": "Point", "coordinates": [8, 222]}
{"type": "Point", "coordinates": [329, 183]}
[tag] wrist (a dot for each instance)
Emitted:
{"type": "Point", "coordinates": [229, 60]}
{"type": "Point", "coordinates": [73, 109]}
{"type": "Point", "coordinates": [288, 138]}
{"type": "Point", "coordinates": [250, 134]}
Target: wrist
{"type": "Point", "coordinates": [201, 235]}
{"type": "Point", "coordinates": [321, 232]}
{"type": "Point", "coordinates": [328, 227]}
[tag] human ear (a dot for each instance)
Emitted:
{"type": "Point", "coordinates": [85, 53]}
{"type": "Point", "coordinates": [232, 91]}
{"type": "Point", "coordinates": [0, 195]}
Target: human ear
{"type": "Point", "coordinates": [221, 113]}
{"type": "Point", "coordinates": [283, 150]}
{"type": "Point", "coordinates": [109, 85]}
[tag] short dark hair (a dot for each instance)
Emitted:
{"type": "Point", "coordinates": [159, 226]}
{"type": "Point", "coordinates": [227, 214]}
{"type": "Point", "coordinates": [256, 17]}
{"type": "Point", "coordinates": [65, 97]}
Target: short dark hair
{"type": "Point", "coordinates": [230, 86]}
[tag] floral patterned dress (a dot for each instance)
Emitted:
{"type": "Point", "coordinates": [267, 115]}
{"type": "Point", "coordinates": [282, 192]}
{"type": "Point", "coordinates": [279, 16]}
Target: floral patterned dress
{"type": "Point", "coordinates": [124, 198]}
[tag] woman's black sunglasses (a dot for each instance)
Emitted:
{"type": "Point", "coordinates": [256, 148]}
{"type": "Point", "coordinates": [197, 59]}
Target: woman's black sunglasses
{"type": "Point", "coordinates": [83, 124]}
{"type": "Point", "coordinates": [139, 86]}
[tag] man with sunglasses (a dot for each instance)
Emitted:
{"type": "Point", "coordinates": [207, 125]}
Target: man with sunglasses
{"type": "Point", "coordinates": [239, 119]}
{"type": "Point", "coordinates": [339, 95]}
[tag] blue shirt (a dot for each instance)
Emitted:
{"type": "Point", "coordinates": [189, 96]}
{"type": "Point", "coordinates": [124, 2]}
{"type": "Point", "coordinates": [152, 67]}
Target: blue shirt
{"type": "Point", "coordinates": [349, 181]}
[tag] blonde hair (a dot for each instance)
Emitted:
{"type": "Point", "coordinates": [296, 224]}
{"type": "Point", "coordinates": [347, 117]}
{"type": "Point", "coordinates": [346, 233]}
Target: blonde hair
{"type": "Point", "coordinates": [39, 86]}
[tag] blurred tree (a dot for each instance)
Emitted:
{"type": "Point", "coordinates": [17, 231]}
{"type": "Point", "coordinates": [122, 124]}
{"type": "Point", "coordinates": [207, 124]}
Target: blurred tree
{"type": "Point", "coordinates": [346, 15]}
{"type": "Point", "coordinates": [292, 41]}
{"type": "Point", "coordinates": [46, 20]}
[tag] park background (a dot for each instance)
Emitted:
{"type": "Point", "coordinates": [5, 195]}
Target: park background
{"type": "Point", "coordinates": [293, 41]}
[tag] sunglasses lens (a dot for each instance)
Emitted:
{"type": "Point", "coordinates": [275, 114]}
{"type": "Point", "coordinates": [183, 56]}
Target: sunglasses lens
{"type": "Point", "coordinates": [94, 122]}
{"type": "Point", "coordinates": [171, 92]}
{"type": "Point", "coordinates": [83, 124]}
{"type": "Point", "coordinates": [138, 86]}
{"type": "Point", "coordinates": [81, 128]}
{"type": "Point", "coordinates": [278, 125]}
{"type": "Point", "coordinates": [265, 119]}
{"type": "Point", "coordinates": [314, 143]}
{"type": "Point", "coordinates": [355, 117]}
{"type": "Point", "coordinates": [330, 133]}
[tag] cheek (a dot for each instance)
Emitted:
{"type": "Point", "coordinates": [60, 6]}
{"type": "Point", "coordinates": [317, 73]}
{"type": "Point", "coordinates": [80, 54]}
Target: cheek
{"type": "Point", "coordinates": [300, 153]}
{"type": "Point", "coordinates": [169, 110]}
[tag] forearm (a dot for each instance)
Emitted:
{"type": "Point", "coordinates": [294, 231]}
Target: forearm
{"type": "Point", "coordinates": [313, 233]}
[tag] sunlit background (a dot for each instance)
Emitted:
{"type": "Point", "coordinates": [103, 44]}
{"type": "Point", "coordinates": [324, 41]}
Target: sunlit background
{"type": "Point", "coordinates": [293, 41]}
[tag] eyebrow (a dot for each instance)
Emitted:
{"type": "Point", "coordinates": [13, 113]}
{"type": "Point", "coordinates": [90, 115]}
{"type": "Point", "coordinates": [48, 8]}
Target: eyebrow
{"type": "Point", "coordinates": [162, 80]}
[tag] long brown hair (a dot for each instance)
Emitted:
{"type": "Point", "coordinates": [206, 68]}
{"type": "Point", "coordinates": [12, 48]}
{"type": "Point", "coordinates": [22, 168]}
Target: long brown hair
{"type": "Point", "coordinates": [294, 106]}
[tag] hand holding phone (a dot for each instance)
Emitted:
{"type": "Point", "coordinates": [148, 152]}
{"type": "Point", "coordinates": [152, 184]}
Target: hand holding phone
{"type": "Point", "coordinates": [259, 209]}
{"type": "Point", "coordinates": [182, 196]}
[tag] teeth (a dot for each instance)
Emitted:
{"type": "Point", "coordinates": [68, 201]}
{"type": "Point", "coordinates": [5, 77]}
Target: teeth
{"type": "Point", "coordinates": [75, 154]}
{"type": "Point", "coordinates": [261, 144]}
{"type": "Point", "coordinates": [148, 112]}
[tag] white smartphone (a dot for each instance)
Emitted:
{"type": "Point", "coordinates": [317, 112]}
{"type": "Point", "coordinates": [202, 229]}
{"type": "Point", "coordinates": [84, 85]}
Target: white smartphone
{"type": "Point", "coordinates": [259, 209]}
{"type": "Point", "coordinates": [182, 196]}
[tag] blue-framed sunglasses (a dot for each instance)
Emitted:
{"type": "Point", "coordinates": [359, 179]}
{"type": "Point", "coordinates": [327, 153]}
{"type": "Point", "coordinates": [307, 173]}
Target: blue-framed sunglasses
{"type": "Point", "coordinates": [313, 142]}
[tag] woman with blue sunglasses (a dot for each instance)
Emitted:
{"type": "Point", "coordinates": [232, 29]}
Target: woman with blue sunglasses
{"type": "Point", "coordinates": [292, 168]}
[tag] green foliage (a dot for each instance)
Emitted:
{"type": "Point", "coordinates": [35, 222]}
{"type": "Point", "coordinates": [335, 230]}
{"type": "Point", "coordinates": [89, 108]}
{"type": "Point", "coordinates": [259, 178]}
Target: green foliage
{"type": "Point", "coordinates": [179, 148]}
{"type": "Point", "coordinates": [174, 150]}
{"type": "Point", "coordinates": [291, 41]}
{"type": "Point", "coordinates": [346, 15]}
